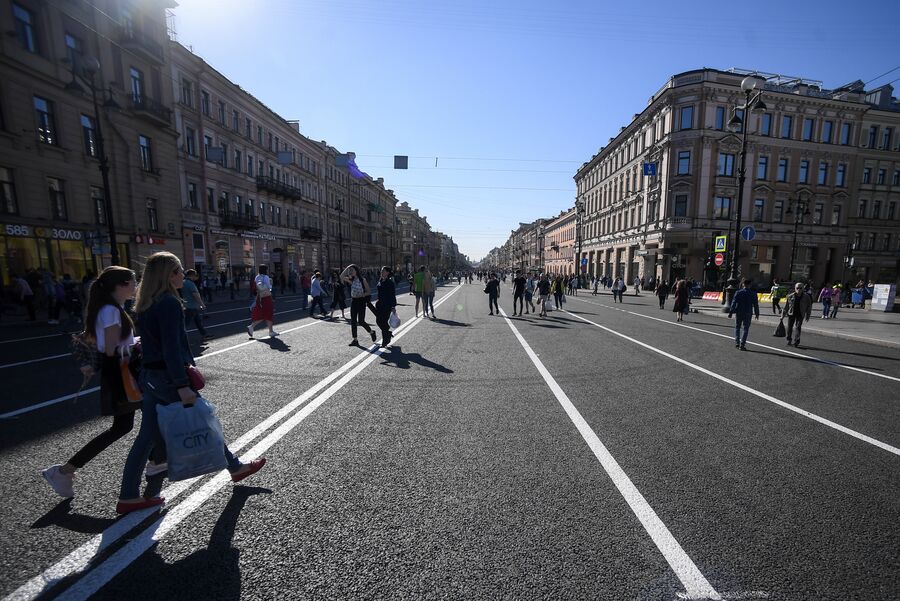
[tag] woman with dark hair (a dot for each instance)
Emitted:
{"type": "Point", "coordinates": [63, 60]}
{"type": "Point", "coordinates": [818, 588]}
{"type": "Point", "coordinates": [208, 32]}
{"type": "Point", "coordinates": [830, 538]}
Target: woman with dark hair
{"type": "Point", "coordinates": [682, 300]}
{"type": "Point", "coordinates": [360, 292]}
{"type": "Point", "coordinates": [339, 295]}
{"type": "Point", "coordinates": [110, 328]}
{"type": "Point", "coordinates": [164, 377]}
{"type": "Point", "coordinates": [387, 301]}
{"type": "Point", "coordinates": [264, 308]}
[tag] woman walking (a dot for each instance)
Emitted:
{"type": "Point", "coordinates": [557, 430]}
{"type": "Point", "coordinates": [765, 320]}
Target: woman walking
{"type": "Point", "coordinates": [682, 300]}
{"type": "Point", "coordinates": [492, 289]}
{"type": "Point", "coordinates": [338, 294]}
{"type": "Point", "coordinates": [825, 297]}
{"type": "Point", "coordinates": [264, 308]}
{"type": "Point", "coordinates": [164, 378]}
{"type": "Point", "coordinates": [559, 291]}
{"type": "Point", "coordinates": [384, 306]}
{"type": "Point", "coordinates": [662, 293]}
{"type": "Point", "coordinates": [428, 293]}
{"type": "Point", "coordinates": [317, 290]}
{"type": "Point", "coordinates": [359, 298]}
{"type": "Point", "coordinates": [110, 328]}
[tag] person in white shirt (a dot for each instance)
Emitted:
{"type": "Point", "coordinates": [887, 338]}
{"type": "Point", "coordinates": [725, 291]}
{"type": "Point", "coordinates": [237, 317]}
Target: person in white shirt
{"type": "Point", "coordinates": [263, 309]}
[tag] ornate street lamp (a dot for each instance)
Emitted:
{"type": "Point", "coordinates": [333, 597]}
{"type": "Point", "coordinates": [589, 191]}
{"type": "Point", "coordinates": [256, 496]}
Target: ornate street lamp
{"type": "Point", "coordinates": [799, 207]}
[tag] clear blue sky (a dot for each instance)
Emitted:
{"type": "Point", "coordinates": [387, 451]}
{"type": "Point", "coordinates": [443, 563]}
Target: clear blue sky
{"type": "Point", "coordinates": [545, 84]}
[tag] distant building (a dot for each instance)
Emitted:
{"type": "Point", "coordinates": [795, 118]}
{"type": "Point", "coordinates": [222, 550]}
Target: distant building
{"type": "Point", "coordinates": [559, 244]}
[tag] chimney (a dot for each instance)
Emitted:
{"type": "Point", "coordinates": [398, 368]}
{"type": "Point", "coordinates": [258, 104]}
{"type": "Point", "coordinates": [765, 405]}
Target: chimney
{"type": "Point", "coordinates": [295, 123]}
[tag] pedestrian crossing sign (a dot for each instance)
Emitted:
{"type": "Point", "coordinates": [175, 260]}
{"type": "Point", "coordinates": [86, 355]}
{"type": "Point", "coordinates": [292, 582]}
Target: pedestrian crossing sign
{"type": "Point", "coordinates": [721, 244]}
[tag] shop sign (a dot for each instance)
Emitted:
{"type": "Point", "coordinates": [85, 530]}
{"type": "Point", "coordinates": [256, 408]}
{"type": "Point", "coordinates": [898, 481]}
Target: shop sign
{"type": "Point", "coordinates": [42, 232]}
{"type": "Point", "coordinates": [152, 240]}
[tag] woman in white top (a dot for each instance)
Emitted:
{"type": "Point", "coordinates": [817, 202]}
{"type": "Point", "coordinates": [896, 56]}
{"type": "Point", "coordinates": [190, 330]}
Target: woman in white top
{"type": "Point", "coordinates": [360, 292]}
{"type": "Point", "coordinates": [263, 309]}
{"type": "Point", "coordinates": [111, 329]}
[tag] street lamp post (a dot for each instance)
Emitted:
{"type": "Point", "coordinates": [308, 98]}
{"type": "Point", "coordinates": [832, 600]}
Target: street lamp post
{"type": "Point", "coordinates": [90, 68]}
{"type": "Point", "coordinates": [752, 102]}
{"type": "Point", "coordinates": [802, 209]}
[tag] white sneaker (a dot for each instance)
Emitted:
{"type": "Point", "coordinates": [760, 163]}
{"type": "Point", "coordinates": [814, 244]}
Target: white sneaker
{"type": "Point", "coordinates": [250, 331]}
{"type": "Point", "coordinates": [62, 484]}
{"type": "Point", "coordinates": [153, 469]}
{"type": "Point", "coordinates": [273, 334]}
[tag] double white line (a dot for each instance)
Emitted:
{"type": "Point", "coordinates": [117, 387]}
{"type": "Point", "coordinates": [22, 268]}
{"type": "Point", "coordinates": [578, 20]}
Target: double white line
{"type": "Point", "coordinates": [80, 558]}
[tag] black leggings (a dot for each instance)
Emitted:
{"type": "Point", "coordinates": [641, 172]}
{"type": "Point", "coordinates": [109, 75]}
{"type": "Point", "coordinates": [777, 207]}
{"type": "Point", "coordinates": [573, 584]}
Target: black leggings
{"type": "Point", "coordinates": [492, 304]}
{"type": "Point", "coordinates": [121, 425]}
{"type": "Point", "coordinates": [520, 300]}
{"type": "Point", "coordinates": [358, 315]}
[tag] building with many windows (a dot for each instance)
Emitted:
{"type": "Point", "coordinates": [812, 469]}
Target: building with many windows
{"type": "Point", "coordinates": [814, 161]}
{"type": "Point", "coordinates": [559, 244]}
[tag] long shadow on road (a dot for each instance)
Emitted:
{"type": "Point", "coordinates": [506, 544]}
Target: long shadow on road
{"type": "Point", "coordinates": [397, 358]}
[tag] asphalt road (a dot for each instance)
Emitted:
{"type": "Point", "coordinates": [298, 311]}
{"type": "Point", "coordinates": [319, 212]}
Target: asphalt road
{"type": "Point", "coordinates": [603, 452]}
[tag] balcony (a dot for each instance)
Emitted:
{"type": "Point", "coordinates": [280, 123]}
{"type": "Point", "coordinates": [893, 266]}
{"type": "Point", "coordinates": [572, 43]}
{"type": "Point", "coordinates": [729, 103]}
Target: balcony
{"type": "Point", "coordinates": [678, 223]}
{"type": "Point", "coordinates": [137, 41]}
{"type": "Point", "coordinates": [310, 233]}
{"type": "Point", "coordinates": [270, 184]}
{"type": "Point", "coordinates": [151, 109]}
{"type": "Point", "coordinates": [239, 220]}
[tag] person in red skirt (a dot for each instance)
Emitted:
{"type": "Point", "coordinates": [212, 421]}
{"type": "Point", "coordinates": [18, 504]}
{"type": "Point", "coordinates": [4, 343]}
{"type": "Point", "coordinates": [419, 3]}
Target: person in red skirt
{"type": "Point", "coordinates": [264, 308]}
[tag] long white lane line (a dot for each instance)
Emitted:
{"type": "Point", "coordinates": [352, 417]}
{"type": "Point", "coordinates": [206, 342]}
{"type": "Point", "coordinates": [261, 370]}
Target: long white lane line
{"type": "Point", "coordinates": [6, 365]}
{"type": "Point", "coordinates": [695, 583]}
{"type": "Point", "coordinates": [753, 391]}
{"type": "Point", "coordinates": [107, 570]}
{"type": "Point", "coordinates": [76, 561]}
{"type": "Point", "coordinates": [765, 346]}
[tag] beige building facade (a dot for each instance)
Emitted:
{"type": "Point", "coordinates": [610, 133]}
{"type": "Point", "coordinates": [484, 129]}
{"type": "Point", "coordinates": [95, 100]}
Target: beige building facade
{"type": "Point", "coordinates": [559, 244]}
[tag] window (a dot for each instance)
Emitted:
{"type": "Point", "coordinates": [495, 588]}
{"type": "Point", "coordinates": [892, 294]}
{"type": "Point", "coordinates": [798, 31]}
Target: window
{"type": "Point", "coordinates": [190, 141]}
{"type": "Point", "coordinates": [46, 125]}
{"type": "Point", "coordinates": [224, 161]}
{"type": "Point", "coordinates": [886, 138]}
{"type": "Point", "coordinates": [222, 112]}
{"type": "Point", "coordinates": [891, 211]}
{"type": "Point", "coordinates": [823, 173]}
{"type": "Point", "coordinates": [873, 134]}
{"type": "Point", "coordinates": [25, 28]}
{"type": "Point", "coordinates": [210, 200]}
{"type": "Point", "coordinates": [192, 196]}
{"type": "Point", "coordinates": [684, 162]}
{"type": "Point", "coordinates": [722, 207]}
{"type": "Point", "coordinates": [207, 144]}
{"type": "Point", "coordinates": [89, 136]}
{"type": "Point", "coordinates": [762, 168]}
{"type": "Point", "coordinates": [223, 203]}
{"type": "Point", "coordinates": [99, 204]}
{"type": "Point", "coordinates": [152, 217]}
{"type": "Point", "coordinates": [57, 198]}
{"type": "Point", "coordinates": [787, 123]}
{"type": "Point", "coordinates": [867, 175]}
{"type": "Point", "coordinates": [205, 104]}
{"type": "Point", "coordinates": [895, 181]}
{"type": "Point", "coordinates": [278, 215]}
{"type": "Point", "coordinates": [882, 173]}
{"type": "Point", "coordinates": [187, 92]}
{"type": "Point", "coordinates": [808, 125]}
{"type": "Point", "coordinates": [840, 177]}
{"type": "Point", "coordinates": [9, 205]}
{"type": "Point", "coordinates": [836, 215]}
{"type": "Point", "coordinates": [818, 211]}
{"type": "Point", "coordinates": [146, 153]}
{"type": "Point", "coordinates": [759, 208]}
{"type": "Point", "coordinates": [886, 242]}
{"type": "Point", "coordinates": [804, 172]}
{"type": "Point", "coordinates": [870, 241]}
{"type": "Point", "coordinates": [726, 164]}
{"type": "Point", "coordinates": [720, 118]}
{"type": "Point", "coordinates": [262, 212]}
{"type": "Point", "coordinates": [249, 165]}
{"type": "Point", "coordinates": [270, 140]}
{"type": "Point", "coordinates": [235, 121]}
{"type": "Point", "coordinates": [238, 160]}
{"type": "Point", "coordinates": [74, 50]}
{"type": "Point", "coordinates": [827, 131]}
{"type": "Point", "coordinates": [248, 127]}
{"type": "Point", "coordinates": [876, 209]}
{"type": "Point", "coordinates": [778, 211]}
{"type": "Point", "coordinates": [687, 117]}
{"type": "Point", "coordinates": [782, 170]}
{"type": "Point", "coordinates": [765, 124]}
{"type": "Point", "coordinates": [259, 135]}
{"type": "Point", "coordinates": [845, 134]}
{"type": "Point", "coordinates": [861, 209]}
{"type": "Point", "coordinates": [137, 85]}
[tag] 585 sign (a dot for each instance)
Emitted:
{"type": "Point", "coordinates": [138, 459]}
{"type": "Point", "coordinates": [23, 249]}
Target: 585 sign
{"type": "Point", "coordinates": [42, 232]}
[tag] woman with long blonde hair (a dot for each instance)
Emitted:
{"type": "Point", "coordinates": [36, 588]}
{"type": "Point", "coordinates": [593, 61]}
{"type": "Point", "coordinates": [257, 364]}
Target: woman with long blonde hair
{"type": "Point", "coordinates": [164, 379]}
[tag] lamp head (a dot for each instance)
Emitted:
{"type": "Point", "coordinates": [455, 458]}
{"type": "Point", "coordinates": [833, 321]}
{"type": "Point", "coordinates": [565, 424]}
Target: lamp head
{"type": "Point", "coordinates": [735, 123]}
{"type": "Point", "coordinates": [749, 83]}
{"type": "Point", "coordinates": [759, 106]}
{"type": "Point", "coordinates": [90, 65]}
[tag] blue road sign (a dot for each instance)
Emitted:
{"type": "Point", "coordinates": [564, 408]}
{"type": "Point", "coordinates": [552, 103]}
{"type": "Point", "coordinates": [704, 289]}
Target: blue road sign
{"type": "Point", "coordinates": [649, 168]}
{"type": "Point", "coordinates": [584, 261]}
{"type": "Point", "coordinates": [748, 233]}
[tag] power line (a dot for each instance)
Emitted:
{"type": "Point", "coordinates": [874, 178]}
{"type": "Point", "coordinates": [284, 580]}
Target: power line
{"type": "Point", "coordinates": [383, 156]}
{"type": "Point", "coordinates": [483, 188]}
{"type": "Point", "coordinates": [882, 75]}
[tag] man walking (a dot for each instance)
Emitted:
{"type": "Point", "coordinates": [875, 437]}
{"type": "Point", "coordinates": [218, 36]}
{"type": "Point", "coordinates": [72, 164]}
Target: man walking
{"type": "Point", "coordinates": [744, 305]}
{"type": "Point", "coordinates": [776, 297]}
{"type": "Point", "coordinates": [518, 292]}
{"type": "Point", "coordinates": [797, 308]}
{"type": "Point", "coordinates": [544, 294]}
{"type": "Point", "coordinates": [662, 292]}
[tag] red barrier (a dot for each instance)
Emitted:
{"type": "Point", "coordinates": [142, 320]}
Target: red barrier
{"type": "Point", "coordinates": [713, 296]}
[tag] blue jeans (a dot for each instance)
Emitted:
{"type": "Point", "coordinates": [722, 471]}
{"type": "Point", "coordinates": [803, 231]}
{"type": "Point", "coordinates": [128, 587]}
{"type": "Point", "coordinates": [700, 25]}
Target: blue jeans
{"type": "Point", "coordinates": [826, 307]}
{"type": "Point", "coordinates": [157, 389]}
{"type": "Point", "coordinates": [742, 320]}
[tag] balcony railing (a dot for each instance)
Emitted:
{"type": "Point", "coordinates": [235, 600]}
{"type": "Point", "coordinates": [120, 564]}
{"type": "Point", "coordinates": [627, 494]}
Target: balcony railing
{"type": "Point", "coordinates": [137, 41]}
{"type": "Point", "coordinates": [271, 184]}
{"type": "Point", "coordinates": [239, 220]}
{"type": "Point", "coordinates": [311, 233]}
{"type": "Point", "coordinates": [150, 108]}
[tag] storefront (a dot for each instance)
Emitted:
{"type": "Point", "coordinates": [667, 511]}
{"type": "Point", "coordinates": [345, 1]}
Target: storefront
{"type": "Point", "coordinates": [239, 253]}
{"type": "Point", "coordinates": [57, 250]}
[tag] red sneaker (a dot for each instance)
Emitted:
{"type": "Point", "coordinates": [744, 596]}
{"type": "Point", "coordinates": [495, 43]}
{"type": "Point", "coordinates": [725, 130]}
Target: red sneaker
{"type": "Point", "coordinates": [248, 469]}
{"type": "Point", "coordinates": [123, 507]}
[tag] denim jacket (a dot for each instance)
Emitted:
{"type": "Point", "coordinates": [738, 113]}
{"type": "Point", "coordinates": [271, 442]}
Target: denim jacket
{"type": "Point", "coordinates": [164, 339]}
{"type": "Point", "coordinates": [744, 303]}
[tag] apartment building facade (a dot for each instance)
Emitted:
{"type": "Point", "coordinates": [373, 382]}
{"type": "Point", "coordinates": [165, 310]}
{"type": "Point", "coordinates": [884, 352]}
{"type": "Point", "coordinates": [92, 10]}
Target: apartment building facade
{"type": "Point", "coordinates": [53, 213]}
{"type": "Point", "coordinates": [559, 244]}
{"type": "Point", "coordinates": [807, 145]}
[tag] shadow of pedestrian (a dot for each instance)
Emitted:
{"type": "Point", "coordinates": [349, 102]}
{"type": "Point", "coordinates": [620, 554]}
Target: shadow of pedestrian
{"type": "Point", "coordinates": [210, 573]}
{"type": "Point", "coordinates": [396, 357]}
{"type": "Point", "coordinates": [62, 517]}
{"type": "Point", "coordinates": [276, 344]}
{"type": "Point", "coordinates": [450, 322]}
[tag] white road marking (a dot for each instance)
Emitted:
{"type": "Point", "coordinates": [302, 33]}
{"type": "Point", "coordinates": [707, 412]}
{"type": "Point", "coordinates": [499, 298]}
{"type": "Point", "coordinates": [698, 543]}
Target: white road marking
{"type": "Point", "coordinates": [695, 583]}
{"type": "Point", "coordinates": [35, 360]}
{"type": "Point", "coordinates": [58, 334]}
{"type": "Point", "coordinates": [80, 558]}
{"type": "Point", "coordinates": [765, 346]}
{"type": "Point", "coordinates": [753, 391]}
